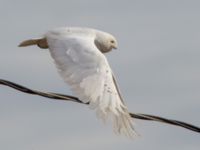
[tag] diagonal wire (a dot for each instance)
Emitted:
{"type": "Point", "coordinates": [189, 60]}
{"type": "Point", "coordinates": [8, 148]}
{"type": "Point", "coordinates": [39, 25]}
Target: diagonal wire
{"type": "Point", "coordinates": [57, 96]}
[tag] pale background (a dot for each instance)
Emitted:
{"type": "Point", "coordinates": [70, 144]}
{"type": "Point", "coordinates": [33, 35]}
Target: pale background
{"type": "Point", "coordinates": [157, 66]}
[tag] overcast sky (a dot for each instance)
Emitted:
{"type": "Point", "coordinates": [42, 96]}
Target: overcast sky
{"type": "Point", "coordinates": [157, 66]}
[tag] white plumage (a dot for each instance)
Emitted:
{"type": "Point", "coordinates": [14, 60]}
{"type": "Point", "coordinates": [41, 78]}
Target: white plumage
{"type": "Point", "coordinates": [77, 53]}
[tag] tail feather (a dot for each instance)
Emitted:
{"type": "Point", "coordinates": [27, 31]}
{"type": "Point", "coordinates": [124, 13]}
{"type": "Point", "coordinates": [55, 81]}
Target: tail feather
{"type": "Point", "coordinates": [122, 124]}
{"type": "Point", "coordinates": [42, 43]}
{"type": "Point", "coordinates": [119, 116]}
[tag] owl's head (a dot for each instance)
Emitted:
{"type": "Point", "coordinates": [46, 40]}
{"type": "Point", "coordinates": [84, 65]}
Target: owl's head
{"type": "Point", "coordinates": [105, 42]}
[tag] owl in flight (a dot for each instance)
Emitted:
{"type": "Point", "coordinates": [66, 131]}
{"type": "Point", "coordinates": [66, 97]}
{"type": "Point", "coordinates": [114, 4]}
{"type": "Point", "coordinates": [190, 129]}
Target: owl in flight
{"type": "Point", "coordinates": [79, 57]}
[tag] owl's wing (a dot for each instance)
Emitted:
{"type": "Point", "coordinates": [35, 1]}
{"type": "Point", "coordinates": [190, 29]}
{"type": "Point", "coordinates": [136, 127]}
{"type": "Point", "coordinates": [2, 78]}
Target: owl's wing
{"type": "Point", "coordinates": [88, 73]}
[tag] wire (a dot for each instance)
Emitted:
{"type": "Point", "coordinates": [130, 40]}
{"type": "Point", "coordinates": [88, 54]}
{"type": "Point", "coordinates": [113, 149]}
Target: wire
{"type": "Point", "coordinates": [57, 96]}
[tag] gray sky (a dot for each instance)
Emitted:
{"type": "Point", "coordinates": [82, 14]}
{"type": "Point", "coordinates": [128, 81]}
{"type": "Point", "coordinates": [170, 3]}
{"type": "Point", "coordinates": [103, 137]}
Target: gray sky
{"type": "Point", "coordinates": [157, 66]}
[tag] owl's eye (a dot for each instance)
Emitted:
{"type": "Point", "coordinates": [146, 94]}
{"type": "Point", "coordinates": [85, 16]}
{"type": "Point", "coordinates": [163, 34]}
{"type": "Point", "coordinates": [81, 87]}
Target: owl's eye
{"type": "Point", "coordinates": [112, 41]}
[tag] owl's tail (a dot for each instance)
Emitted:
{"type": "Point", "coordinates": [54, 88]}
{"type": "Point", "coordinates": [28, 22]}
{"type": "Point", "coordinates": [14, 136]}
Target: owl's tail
{"type": "Point", "coordinates": [42, 43]}
{"type": "Point", "coordinates": [121, 120]}
{"type": "Point", "coordinates": [122, 124]}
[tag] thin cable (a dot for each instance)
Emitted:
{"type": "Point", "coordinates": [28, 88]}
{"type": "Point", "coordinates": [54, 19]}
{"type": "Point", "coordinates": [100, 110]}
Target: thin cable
{"type": "Point", "coordinates": [57, 96]}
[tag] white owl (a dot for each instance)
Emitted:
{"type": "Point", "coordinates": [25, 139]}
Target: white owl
{"type": "Point", "coordinates": [78, 55]}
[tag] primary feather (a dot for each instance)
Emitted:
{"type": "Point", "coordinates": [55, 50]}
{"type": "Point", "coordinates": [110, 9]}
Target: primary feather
{"type": "Point", "coordinates": [84, 67]}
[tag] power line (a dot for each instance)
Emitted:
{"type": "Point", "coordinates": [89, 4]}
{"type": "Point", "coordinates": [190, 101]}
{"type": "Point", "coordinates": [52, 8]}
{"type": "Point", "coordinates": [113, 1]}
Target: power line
{"type": "Point", "coordinates": [57, 96]}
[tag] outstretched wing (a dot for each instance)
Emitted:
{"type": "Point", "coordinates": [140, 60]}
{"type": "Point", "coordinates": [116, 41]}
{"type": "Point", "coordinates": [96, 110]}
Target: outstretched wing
{"type": "Point", "coordinates": [80, 64]}
{"type": "Point", "coordinates": [88, 73]}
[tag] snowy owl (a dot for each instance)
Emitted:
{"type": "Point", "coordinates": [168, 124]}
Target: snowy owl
{"type": "Point", "coordinates": [79, 57]}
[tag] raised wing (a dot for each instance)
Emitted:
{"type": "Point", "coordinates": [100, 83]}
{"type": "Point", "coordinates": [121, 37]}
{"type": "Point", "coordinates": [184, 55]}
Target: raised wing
{"type": "Point", "coordinates": [88, 73]}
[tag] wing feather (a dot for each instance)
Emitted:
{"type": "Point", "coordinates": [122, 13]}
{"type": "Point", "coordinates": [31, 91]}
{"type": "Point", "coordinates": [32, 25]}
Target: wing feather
{"type": "Point", "coordinates": [89, 75]}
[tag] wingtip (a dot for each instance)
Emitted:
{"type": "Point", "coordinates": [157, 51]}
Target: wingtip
{"type": "Point", "coordinates": [42, 43]}
{"type": "Point", "coordinates": [28, 43]}
{"type": "Point", "coordinates": [21, 45]}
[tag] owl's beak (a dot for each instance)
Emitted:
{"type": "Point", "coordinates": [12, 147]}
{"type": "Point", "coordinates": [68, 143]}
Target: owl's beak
{"type": "Point", "coordinates": [114, 46]}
